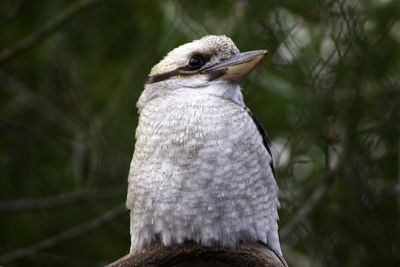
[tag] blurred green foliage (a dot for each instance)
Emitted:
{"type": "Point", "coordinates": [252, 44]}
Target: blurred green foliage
{"type": "Point", "coordinates": [328, 94]}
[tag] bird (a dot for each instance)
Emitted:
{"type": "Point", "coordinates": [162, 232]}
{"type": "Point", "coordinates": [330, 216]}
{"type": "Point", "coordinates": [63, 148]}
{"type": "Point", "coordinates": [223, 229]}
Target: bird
{"type": "Point", "coordinates": [202, 166]}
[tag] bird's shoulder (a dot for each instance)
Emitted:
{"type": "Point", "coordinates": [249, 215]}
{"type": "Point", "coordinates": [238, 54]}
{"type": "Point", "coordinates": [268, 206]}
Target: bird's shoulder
{"type": "Point", "coordinates": [264, 135]}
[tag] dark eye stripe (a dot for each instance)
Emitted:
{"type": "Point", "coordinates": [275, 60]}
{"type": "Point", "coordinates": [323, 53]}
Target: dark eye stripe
{"type": "Point", "coordinates": [163, 76]}
{"type": "Point", "coordinates": [185, 70]}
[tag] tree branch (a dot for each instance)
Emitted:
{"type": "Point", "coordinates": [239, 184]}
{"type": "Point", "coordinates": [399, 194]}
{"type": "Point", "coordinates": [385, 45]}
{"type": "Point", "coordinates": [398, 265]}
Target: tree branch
{"type": "Point", "coordinates": [312, 201]}
{"type": "Point", "coordinates": [193, 254]}
{"type": "Point", "coordinates": [64, 236]}
{"type": "Point", "coordinates": [328, 178]}
{"type": "Point", "coordinates": [46, 30]}
{"type": "Point", "coordinates": [51, 259]}
{"type": "Point", "coordinates": [58, 200]}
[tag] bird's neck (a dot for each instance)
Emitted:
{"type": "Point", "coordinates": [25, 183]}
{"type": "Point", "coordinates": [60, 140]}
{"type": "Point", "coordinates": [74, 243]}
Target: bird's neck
{"type": "Point", "coordinates": [222, 89]}
{"type": "Point", "coordinates": [225, 90]}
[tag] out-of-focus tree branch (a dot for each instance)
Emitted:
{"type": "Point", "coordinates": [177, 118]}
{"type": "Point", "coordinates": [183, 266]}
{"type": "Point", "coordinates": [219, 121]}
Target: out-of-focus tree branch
{"type": "Point", "coordinates": [312, 201]}
{"type": "Point", "coordinates": [64, 236]}
{"type": "Point", "coordinates": [398, 177]}
{"type": "Point", "coordinates": [328, 178]}
{"type": "Point", "coordinates": [58, 200]}
{"type": "Point", "coordinates": [63, 260]}
{"type": "Point", "coordinates": [46, 30]}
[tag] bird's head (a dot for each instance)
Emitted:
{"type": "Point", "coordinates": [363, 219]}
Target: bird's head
{"type": "Point", "coordinates": [211, 62]}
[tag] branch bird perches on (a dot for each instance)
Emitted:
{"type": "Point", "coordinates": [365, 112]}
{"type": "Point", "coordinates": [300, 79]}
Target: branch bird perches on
{"type": "Point", "coordinates": [193, 254]}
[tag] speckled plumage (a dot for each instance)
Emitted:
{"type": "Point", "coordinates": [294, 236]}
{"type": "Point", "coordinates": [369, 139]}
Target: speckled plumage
{"type": "Point", "coordinates": [200, 170]}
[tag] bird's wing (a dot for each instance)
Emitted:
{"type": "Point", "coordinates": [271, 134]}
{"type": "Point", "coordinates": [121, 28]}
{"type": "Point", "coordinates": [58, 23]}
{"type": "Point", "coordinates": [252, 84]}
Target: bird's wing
{"type": "Point", "coordinates": [264, 135]}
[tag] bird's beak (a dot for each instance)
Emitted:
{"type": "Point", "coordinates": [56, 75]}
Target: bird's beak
{"type": "Point", "coordinates": [237, 67]}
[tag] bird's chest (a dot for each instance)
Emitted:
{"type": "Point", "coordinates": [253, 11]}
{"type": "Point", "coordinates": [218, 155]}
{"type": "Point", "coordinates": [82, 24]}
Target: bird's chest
{"type": "Point", "coordinates": [197, 157]}
{"type": "Point", "coordinates": [185, 125]}
{"type": "Point", "coordinates": [191, 142]}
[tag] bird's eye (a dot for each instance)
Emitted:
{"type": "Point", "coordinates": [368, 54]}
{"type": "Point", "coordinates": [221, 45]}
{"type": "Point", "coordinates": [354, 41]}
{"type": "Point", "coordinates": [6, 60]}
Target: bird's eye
{"type": "Point", "coordinates": [196, 61]}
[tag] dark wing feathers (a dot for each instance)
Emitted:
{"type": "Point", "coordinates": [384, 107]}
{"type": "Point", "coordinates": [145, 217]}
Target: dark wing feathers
{"type": "Point", "coordinates": [264, 135]}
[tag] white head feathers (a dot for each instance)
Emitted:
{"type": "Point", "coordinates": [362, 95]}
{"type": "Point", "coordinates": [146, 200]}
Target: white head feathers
{"type": "Point", "coordinates": [219, 46]}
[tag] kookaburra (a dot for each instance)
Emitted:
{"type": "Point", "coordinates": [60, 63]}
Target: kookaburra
{"type": "Point", "coordinates": [202, 167]}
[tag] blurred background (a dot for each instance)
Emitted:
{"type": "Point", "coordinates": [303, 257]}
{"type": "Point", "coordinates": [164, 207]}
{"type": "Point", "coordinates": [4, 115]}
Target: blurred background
{"type": "Point", "coordinates": [328, 94]}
